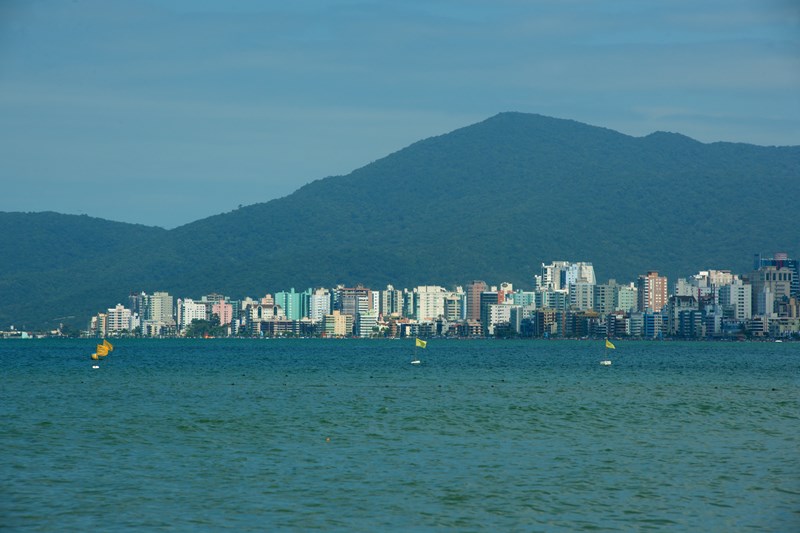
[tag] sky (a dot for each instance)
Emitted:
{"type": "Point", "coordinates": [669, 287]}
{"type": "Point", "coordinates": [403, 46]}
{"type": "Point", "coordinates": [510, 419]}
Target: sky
{"type": "Point", "coordinates": [166, 112]}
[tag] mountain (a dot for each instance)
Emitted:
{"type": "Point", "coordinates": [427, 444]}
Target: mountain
{"type": "Point", "coordinates": [489, 201]}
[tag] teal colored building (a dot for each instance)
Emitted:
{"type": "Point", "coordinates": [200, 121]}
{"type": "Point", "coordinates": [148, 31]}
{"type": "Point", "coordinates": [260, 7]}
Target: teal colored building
{"type": "Point", "coordinates": [294, 304]}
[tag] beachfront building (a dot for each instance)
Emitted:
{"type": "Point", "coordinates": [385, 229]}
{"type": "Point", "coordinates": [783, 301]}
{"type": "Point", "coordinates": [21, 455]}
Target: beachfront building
{"type": "Point", "coordinates": [257, 315]}
{"type": "Point", "coordinates": [295, 305]}
{"type": "Point", "coordinates": [337, 324]}
{"type": "Point", "coordinates": [497, 314]}
{"type": "Point", "coordinates": [97, 325]}
{"type": "Point", "coordinates": [473, 294]}
{"type": "Point", "coordinates": [652, 291]}
{"type": "Point", "coordinates": [156, 313]}
{"type": "Point", "coordinates": [429, 302]}
{"type": "Point", "coordinates": [366, 324]}
{"type": "Point", "coordinates": [120, 320]}
{"type": "Point", "coordinates": [189, 311]}
{"type": "Point", "coordinates": [453, 306]}
{"type": "Point", "coordinates": [319, 304]}
{"type": "Point", "coordinates": [224, 311]}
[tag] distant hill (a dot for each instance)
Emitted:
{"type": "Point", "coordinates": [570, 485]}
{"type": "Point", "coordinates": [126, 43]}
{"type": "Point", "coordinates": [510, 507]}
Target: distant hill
{"type": "Point", "coordinates": [489, 201]}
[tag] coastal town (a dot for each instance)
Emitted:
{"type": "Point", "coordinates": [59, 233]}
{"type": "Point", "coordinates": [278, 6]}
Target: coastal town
{"type": "Point", "coordinates": [566, 302]}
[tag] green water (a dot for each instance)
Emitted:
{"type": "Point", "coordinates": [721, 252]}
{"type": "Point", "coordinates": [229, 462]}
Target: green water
{"type": "Point", "coordinates": [347, 435]}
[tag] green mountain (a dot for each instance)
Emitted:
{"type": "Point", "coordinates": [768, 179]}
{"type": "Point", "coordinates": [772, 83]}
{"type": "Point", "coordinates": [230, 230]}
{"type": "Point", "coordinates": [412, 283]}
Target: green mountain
{"type": "Point", "coordinates": [489, 201]}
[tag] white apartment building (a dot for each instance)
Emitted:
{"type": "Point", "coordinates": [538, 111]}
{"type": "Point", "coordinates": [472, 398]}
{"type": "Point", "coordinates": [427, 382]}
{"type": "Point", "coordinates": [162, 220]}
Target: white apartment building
{"type": "Point", "coordinates": [319, 305]}
{"type": "Point", "coordinates": [498, 314]}
{"type": "Point", "coordinates": [189, 310]}
{"type": "Point", "coordinates": [429, 302]}
{"type": "Point", "coordinates": [738, 297]}
{"type": "Point", "coordinates": [366, 323]}
{"type": "Point", "coordinates": [120, 319]}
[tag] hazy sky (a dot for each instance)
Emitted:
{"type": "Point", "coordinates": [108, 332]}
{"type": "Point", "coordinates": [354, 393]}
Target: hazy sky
{"type": "Point", "coordinates": [163, 113]}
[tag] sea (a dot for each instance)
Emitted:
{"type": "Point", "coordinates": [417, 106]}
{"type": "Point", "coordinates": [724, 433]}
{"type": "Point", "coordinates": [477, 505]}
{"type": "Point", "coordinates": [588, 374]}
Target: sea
{"type": "Point", "coordinates": [348, 435]}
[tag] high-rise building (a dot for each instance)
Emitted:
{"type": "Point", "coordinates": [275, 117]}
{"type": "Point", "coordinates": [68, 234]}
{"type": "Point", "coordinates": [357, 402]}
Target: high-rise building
{"type": "Point", "coordinates": [366, 323]}
{"type": "Point", "coordinates": [559, 275]}
{"type": "Point", "coordinates": [627, 298]}
{"type": "Point", "coordinates": [581, 295]}
{"type": "Point", "coordinates": [391, 302]}
{"type": "Point", "coordinates": [506, 290]}
{"type": "Point", "coordinates": [773, 280]}
{"type": "Point", "coordinates": [158, 307]}
{"type": "Point", "coordinates": [294, 304]}
{"type": "Point", "coordinates": [652, 291]}
{"type": "Point", "coordinates": [155, 311]}
{"type": "Point", "coordinates": [474, 291]}
{"type": "Point", "coordinates": [523, 298]}
{"type": "Point", "coordinates": [189, 310]}
{"type": "Point", "coordinates": [213, 298]}
{"type": "Point", "coordinates": [352, 300]}
{"type": "Point", "coordinates": [219, 305]}
{"type": "Point", "coordinates": [338, 324]}
{"type": "Point", "coordinates": [497, 314]}
{"type": "Point", "coordinates": [781, 261]}
{"type": "Point", "coordinates": [554, 276]}
{"type": "Point", "coordinates": [552, 299]}
{"type": "Point", "coordinates": [319, 304]}
{"type": "Point", "coordinates": [488, 298]}
{"type": "Point", "coordinates": [685, 287]}
{"type": "Point", "coordinates": [605, 296]}
{"type": "Point", "coordinates": [580, 272]}
{"type": "Point", "coordinates": [429, 302]}
{"type": "Point", "coordinates": [737, 297]}
{"type": "Point", "coordinates": [97, 325]}
{"type": "Point", "coordinates": [224, 311]}
{"type": "Point", "coordinates": [678, 305]}
{"type": "Point", "coordinates": [452, 306]}
{"type": "Point", "coordinates": [119, 319]}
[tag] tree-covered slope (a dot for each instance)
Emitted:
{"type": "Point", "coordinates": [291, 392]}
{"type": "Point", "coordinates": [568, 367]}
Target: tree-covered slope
{"type": "Point", "coordinates": [51, 265]}
{"type": "Point", "coordinates": [492, 201]}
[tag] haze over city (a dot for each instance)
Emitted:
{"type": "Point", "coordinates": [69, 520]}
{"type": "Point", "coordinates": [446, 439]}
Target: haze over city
{"type": "Point", "coordinates": [163, 113]}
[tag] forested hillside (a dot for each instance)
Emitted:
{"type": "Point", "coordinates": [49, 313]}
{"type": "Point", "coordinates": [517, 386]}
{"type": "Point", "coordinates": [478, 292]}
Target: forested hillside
{"type": "Point", "coordinates": [491, 201]}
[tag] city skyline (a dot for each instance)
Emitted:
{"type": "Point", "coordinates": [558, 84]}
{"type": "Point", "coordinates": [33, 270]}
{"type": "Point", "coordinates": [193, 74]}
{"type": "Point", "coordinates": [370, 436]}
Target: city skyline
{"type": "Point", "coordinates": [566, 300]}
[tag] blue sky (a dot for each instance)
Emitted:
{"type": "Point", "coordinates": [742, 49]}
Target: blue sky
{"type": "Point", "coordinates": [162, 113]}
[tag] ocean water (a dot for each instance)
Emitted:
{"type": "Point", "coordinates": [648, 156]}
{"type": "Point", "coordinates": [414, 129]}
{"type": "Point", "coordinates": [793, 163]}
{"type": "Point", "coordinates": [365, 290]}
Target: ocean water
{"type": "Point", "coordinates": [347, 435]}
